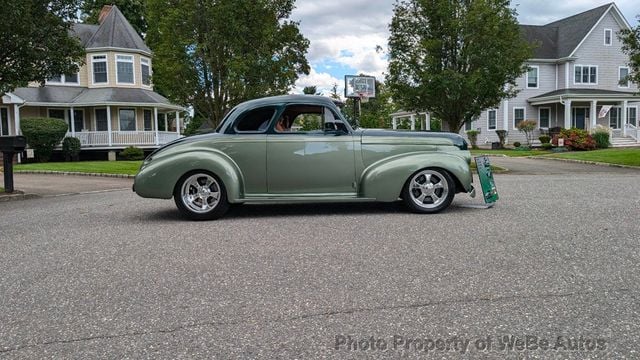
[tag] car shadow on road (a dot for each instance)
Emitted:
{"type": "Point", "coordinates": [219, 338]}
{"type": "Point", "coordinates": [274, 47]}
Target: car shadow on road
{"type": "Point", "coordinates": [292, 210]}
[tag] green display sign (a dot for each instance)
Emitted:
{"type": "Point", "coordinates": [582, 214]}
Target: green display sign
{"type": "Point", "coordinates": [486, 179]}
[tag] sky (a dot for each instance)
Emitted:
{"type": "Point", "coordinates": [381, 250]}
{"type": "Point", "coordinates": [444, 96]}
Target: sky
{"type": "Point", "coordinates": [344, 34]}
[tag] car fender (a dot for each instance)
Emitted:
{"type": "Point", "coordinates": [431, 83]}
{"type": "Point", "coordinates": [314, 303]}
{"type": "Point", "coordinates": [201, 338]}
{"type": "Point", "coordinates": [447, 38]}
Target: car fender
{"type": "Point", "coordinates": [384, 179]}
{"type": "Point", "coordinates": [158, 178]}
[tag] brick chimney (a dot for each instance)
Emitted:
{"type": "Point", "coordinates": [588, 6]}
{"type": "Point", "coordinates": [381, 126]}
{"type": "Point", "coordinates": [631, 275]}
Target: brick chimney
{"type": "Point", "coordinates": [104, 12]}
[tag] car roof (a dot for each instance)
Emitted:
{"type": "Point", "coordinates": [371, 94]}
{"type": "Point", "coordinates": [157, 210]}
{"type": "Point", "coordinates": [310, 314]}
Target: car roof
{"type": "Point", "coordinates": [282, 99]}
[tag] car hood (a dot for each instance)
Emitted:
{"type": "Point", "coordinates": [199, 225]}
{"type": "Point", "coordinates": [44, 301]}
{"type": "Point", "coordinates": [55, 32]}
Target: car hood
{"type": "Point", "coordinates": [380, 136]}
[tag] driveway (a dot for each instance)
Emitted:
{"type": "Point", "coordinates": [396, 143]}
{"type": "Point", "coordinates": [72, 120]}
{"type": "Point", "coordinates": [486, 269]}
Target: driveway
{"type": "Point", "coordinates": [53, 185]}
{"type": "Point", "coordinates": [527, 166]}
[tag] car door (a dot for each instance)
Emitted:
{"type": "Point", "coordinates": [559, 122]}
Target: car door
{"type": "Point", "coordinates": [315, 155]}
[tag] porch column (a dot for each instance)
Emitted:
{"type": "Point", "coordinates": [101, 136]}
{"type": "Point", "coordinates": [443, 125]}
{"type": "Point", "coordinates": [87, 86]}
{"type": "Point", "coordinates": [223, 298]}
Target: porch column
{"type": "Point", "coordinates": [166, 122]}
{"type": "Point", "coordinates": [624, 117]}
{"type": "Point", "coordinates": [427, 117]}
{"type": "Point", "coordinates": [567, 114]}
{"type": "Point", "coordinates": [178, 123]}
{"type": "Point", "coordinates": [593, 115]}
{"type": "Point", "coordinates": [413, 122]}
{"type": "Point", "coordinates": [73, 122]}
{"type": "Point", "coordinates": [155, 123]}
{"type": "Point", "coordinates": [109, 125]}
{"type": "Point", "coordinates": [16, 119]}
{"type": "Point", "coordinates": [505, 119]}
{"type": "Point", "coordinates": [394, 123]}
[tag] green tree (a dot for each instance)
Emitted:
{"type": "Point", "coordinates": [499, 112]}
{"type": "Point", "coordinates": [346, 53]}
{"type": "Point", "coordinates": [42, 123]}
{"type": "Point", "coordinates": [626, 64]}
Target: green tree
{"type": "Point", "coordinates": [454, 58]}
{"type": "Point", "coordinates": [334, 92]}
{"type": "Point", "coordinates": [213, 55]}
{"type": "Point", "coordinates": [133, 10]}
{"type": "Point", "coordinates": [310, 90]}
{"type": "Point", "coordinates": [631, 46]}
{"type": "Point", "coordinates": [35, 41]}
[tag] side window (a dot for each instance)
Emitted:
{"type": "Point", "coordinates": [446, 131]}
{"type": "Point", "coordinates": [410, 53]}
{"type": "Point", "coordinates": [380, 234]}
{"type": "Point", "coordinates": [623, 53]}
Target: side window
{"type": "Point", "coordinates": [309, 119]}
{"type": "Point", "coordinates": [256, 120]}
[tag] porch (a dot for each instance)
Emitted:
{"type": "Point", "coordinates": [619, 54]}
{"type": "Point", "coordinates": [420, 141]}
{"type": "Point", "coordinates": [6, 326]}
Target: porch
{"type": "Point", "coordinates": [108, 139]}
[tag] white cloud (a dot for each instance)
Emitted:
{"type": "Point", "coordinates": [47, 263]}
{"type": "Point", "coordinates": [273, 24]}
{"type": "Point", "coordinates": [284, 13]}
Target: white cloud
{"type": "Point", "coordinates": [322, 81]}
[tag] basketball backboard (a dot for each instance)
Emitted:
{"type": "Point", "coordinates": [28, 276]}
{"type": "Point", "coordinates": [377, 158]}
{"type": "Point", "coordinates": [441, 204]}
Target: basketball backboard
{"type": "Point", "coordinates": [359, 86]}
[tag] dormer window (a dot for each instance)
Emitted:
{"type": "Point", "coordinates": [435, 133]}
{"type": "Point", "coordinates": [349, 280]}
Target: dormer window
{"type": "Point", "coordinates": [99, 66]}
{"type": "Point", "coordinates": [607, 37]}
{"type": "Point", "coordinates": [64, 79]}
{"type": "Point", "coordinates": [145, 70]}
{"type": "Point", "coordinates": [124, 66]}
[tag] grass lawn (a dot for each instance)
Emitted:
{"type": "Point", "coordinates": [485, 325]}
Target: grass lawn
{"type": "Point", "coordinates": [496, 169]}
{"type": "Point", "coordinates": [103, 167]}
{"type": "Point", "coordinates": [620, 156]}
{"type": "Point", "coordinates": [510, 152]}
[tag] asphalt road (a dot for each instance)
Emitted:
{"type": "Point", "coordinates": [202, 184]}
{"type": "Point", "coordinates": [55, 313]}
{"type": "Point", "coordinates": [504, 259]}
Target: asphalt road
{"type": "Point", "coordinates": [111, 275]}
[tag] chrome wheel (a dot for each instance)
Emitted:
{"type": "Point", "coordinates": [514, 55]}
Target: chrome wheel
{"type": "Point", "coordinates": [200, 193]}
{"type": "Point", "coordinates": [429, 189]}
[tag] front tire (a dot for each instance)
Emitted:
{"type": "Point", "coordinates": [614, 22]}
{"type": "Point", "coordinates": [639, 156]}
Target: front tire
{"type": "Point", "coordinates": [429, 191]}
{"type": "Point", "coordinates": [201, 195]}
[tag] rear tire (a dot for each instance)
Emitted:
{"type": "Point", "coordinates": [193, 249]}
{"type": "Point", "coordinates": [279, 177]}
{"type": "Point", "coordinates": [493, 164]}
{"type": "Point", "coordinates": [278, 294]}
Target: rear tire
{"type": "Point", "coordinates": [429, 191]}
{"type": "Point", "coordinates": [201, 195]}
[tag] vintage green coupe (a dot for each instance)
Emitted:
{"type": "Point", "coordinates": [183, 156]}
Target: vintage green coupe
{"type": "Point", "coordinates": [299, 148]}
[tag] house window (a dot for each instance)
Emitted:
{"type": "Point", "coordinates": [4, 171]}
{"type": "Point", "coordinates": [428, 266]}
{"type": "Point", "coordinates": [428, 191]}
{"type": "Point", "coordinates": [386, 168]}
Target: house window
{"type": "Point", "coordinates": [57, 114]}
{"type": "Point", "coordinates": [127, 119]}
{"type": "Point", "coordinates": [145, 70]}
{"type": "Point", "coordinates": [518, 116]}
{"type": "Point", "coordinates": [147, 120]}
{"type": "Point", "coordinates": [532, 77]}
{"type": "Point", "coordinates": [99, 65]}
{"type": "Point", "coordinates": [467, 125]}
{"type": "Point", "coordinates": [71, 78]}
{"type": "Point", "coordinates": [4, 121]}
{"type": "Point", "coordinates": [63, 79]}
{"type": "Point", "coordinates": [586, 74]}
{"type": "Point", "coordinates": [78, 120]}
{"type": "Point", "coordinates": [161, 118]}
{"type": "Point", "coordinates": [124, 67]}
{"type": "Point", "coordinates": [492, 119]}
{"type": "Point", "coordinates": [632, 116]}
{"type": "Point", "coordinates": [101, 120]}
{"type": "Point", "coordinates": [607, 37]}
{"type": "Point", "coordinates": [623, 77]}
{"type": "Point", "coordinates": [55, 79]}
{"type": "Point", "coordinates": [614, 118]}
{"type": "Point", "coordinates": [544, 117]}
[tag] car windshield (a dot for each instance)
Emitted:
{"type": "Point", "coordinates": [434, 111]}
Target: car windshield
{"type": "Point", "coordinates": [225, 119]}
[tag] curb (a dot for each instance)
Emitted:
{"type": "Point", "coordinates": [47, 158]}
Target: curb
{"type": "Point", "coordinates": [585, 162]}
{"type": "Point", "coordinates": [17, 196]}
{"type": "Point", "coordinates": [74, 173]}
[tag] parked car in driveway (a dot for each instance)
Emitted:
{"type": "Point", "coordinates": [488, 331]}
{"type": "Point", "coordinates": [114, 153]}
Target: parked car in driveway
{"type": "Point", "coordinates": [299, 148]}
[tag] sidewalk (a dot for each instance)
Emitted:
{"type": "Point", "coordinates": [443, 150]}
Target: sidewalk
{"type": "Point", "coordinates": [55, 185]}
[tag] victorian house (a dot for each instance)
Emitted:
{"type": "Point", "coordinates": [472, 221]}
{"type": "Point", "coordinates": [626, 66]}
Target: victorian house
{"type": "Point", "coordinates": [109, 103]}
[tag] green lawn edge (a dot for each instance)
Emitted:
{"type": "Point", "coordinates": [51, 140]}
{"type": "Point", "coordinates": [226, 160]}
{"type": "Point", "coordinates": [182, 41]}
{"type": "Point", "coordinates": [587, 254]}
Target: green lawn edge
{"type": "Point", "coordinates": [97, 167]}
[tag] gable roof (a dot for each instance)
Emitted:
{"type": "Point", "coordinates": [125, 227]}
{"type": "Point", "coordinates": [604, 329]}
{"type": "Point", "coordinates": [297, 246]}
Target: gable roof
{"type": "Point", "coordinates": [113, 32]}
{"type": "Point", "coordinates": [560, 38]}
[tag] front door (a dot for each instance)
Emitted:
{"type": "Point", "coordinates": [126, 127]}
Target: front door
{"type": "Point", "coordinates": [310, 153]}
{"type": "Point", "coordinates": [579, 117]}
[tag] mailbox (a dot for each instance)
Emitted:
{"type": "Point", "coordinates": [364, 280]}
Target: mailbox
{"type": "Point", "coordinates": [9, 145]}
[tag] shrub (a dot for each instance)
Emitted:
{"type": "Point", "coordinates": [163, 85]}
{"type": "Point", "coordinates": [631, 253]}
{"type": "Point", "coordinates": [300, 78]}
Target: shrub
{"type": "Point", "coordinates": [575, 139]}
{"type": "Point", "coordinates": [547, 146]}
{"type": "Point", "coordinates": [544, 139]}
{"type": "Point", "coordinates": [527, 127]}
{"type": "Point", "coordinates": [71, 148]}
{"type": "Point", "coordinates": [473, 138]}
{"type": "Point", "coordinates": [436, 124]}
{"type": "Point", "coordinates": [502, 136]}
{"type": "Point", "coordinates": [601, 137]}
{"type": "Point", "coordinates": [516, 144]}
{"type": "Point", "coordinates": [132, 153]}
{"type": "Point", "coordinates": [43, 134]}
{"type": "Point", "coordinates": [522, 148]}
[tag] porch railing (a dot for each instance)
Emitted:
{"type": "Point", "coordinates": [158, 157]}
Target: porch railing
{"type": "Point", "coordinates": [633, 131]}
{"type": "Point", "coordinates": [126, 138]}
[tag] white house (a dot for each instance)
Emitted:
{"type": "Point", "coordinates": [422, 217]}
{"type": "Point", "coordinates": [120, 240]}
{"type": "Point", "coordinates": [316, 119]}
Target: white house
{"type": "Point", "coordinates": [575, 71]}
